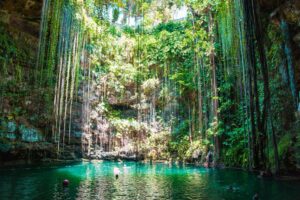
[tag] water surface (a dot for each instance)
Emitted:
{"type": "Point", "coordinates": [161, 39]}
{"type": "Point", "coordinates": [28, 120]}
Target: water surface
{"type": "Point", "coordinates": [139, 181]}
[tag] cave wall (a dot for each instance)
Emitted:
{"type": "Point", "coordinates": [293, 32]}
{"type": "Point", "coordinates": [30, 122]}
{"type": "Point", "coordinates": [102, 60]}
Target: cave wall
{"type": "Point", "coordinates": [22, 123]}
{"type": "Point", "coordinates": [26, 107]}
{"type": "Point", "coordinates": [21, 19]}
{"type": "Point", "coordinates": [283, 17]}
{"type": "Point", "coordinates": [289, 11]}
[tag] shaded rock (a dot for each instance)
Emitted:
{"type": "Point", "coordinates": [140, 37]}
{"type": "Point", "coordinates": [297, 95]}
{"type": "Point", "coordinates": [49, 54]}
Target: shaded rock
{"type": "Point", "coordinates": [30, 134]}
{"type": "Point", "coordinates": [29, 8]}
{"type": "Point", "coordinates": [11, 127]}
{"type": "Point", "coordinates": [93, 115]}
{"type": "Point", "coordinates": [291, 14]}
{"type": "Point", "coordinates": [113, 155]}
{"type": "Point", "coordinates": [8, 130]}
{"type": "Point", "coordinates": [109, 155]}
{"type": "Point", "coordinates": [11, 136]}
{"type": "Point", "coordinates": [5, 147]}
{"type": "Point", "coordinates": [77, 134]}
{"type": "Point", "coordinates": [129, 157]}
{"type": "Point", "coordinates": [270, 4]}
{"type": "Point", "coordinates": [297, 39]}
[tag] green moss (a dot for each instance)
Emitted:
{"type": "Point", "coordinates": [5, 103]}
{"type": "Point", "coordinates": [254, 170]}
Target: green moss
{"type": "Point", "coordinates": [284, 144]}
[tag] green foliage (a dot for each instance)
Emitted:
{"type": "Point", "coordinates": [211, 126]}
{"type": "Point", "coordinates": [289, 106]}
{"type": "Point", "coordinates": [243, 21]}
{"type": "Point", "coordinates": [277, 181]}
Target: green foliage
{"type": "Point", "coordinates": [196, 149]}
{"type": "Point", "coordinates": [171, 27]}
{"type": "Point", "coordinates": [129, 128]}
{"type": "Point", "coordinates": [8, 47]}
{"type": "Point", "coordinates": [157, 145]}
{"type": "Point", "coordinates": [155, 78]}
{"type": "Point", "coordinates": [284, 144]}
{"type": "Point", "coordinates": [179, 148]}
{"type": "Point", "coordinates": [236, 153]}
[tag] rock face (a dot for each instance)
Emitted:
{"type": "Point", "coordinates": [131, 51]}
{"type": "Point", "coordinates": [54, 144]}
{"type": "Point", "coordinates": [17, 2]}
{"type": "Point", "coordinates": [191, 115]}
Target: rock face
{"type": "Point", "coordinates": [288, 11]}
{"type": "Point", "coordinates": [8, 130]}
{"type": "Point", "coordinates": [22, 19]}
{"type": "Point", "coordinates": [297, 39]}
{"type": "Point", "coordinates": [30, 134]}
{"type": "Point", "coordinates": [20, 134]}
{"type": "Point", "coordinates": [19, 27]}
{"type": "Point", "coordinates": [114, 156]}
{"type": "Point", "coordinates": [24, 120]}
{"type": "Point", "coordinates": [291, 13]}
{"type": "Point", "coordinates": [28, 8]}
{"type": "Point", "coordinates": [20, 144]}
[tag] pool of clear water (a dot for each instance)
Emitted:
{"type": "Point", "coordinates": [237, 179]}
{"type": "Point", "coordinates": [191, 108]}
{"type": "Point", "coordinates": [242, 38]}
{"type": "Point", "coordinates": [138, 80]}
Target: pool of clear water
{"type": "Point", "coordinates": [139, 181]}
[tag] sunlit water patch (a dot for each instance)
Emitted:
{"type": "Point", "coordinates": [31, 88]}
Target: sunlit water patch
{"type": "Point", "coordinates": [139, 181]}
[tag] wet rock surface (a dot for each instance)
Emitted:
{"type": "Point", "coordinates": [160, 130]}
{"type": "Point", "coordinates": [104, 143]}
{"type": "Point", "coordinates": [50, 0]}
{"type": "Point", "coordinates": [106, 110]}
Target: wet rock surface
{"type": "Point", "coordinates": [22, 20]}
{"type": "Point", "coordinates": [114, 155]}
{"type": "Point", "coordinates": [289, 12]}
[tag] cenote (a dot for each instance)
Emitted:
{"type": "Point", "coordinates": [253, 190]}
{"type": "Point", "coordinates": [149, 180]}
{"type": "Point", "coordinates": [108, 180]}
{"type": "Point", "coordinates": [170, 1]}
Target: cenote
{"type": "Point", "coordinates": [115, 84]}
{"type": "Point", "coordinates": [139, 181]}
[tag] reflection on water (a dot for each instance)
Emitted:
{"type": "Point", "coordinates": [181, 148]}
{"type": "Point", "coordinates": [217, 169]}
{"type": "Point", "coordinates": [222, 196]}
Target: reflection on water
{"type": "Point", "coordinates": [139, 181]}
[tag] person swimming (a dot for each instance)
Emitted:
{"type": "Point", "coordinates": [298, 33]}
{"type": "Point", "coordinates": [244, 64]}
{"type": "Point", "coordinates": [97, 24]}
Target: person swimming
{"type": "Point", "coordinates": [116, 172]}
{"type": "Point", "coordinates": [66, 183]}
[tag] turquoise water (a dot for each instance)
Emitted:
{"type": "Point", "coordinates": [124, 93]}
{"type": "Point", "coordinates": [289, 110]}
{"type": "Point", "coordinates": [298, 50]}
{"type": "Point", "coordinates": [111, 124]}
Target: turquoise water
{"type": "Point", "coordinates": [139, 181]}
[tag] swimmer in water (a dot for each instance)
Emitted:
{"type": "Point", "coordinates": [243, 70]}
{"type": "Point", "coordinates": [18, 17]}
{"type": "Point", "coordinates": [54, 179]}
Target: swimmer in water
{"type": "Point", "coordinates": [66, 183]}
{"type": "Point", "coordinates": [116, 172]}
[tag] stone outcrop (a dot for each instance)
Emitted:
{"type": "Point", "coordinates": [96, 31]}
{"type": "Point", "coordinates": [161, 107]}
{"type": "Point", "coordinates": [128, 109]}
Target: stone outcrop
{"type": "Point", "coordinates": [25, 119]}
{"type": "Point", "coordinates": [100, 155]}
{"type": "Point", "coordinates": [22, 20]}
{"type": "Point", "coordinates": [289, 11]}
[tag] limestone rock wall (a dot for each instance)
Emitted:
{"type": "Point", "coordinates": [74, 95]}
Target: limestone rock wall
{"type": "Point", "coordinates": [289, 11]}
